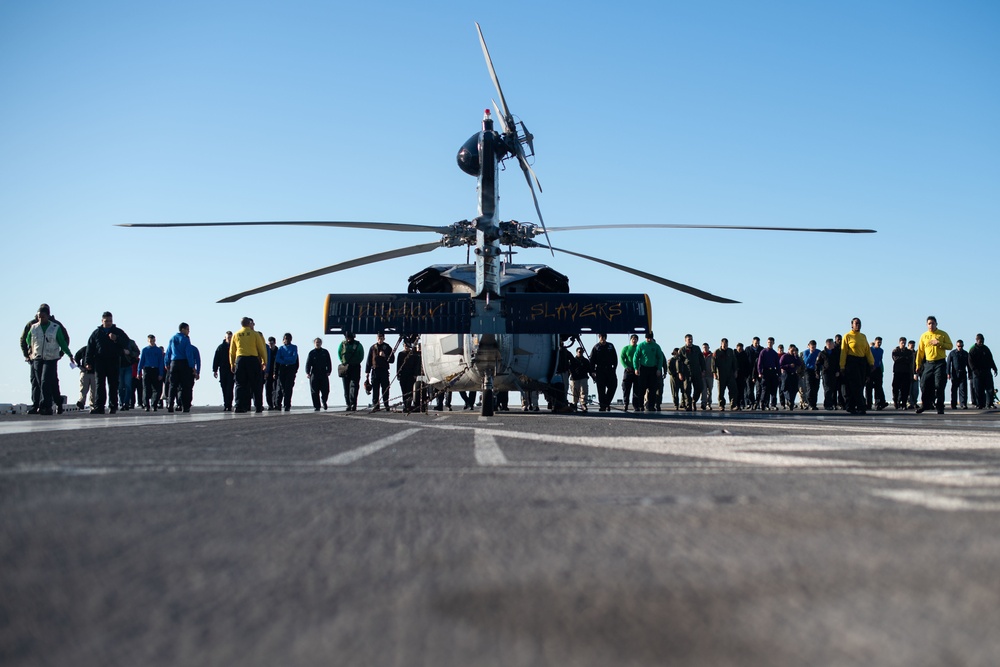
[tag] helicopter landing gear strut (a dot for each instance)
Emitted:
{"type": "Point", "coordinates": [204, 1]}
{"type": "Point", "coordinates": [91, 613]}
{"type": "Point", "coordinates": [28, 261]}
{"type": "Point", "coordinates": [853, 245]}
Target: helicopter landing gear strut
{"type": "Point", "coordinates": [487, 410]}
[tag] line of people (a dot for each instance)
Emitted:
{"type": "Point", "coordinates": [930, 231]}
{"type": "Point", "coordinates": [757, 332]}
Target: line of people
{"type": "Point", "coordinates": [850, 370]}
{"type": "Point", "coordinates": [115, 372]}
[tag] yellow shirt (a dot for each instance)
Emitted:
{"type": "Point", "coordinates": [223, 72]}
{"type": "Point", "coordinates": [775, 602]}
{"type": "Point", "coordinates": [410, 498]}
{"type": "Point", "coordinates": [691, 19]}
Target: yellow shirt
{"type": "Point", "coordinates": [855, 345]}
{"type": "Point", "coordinates": [247, 343]}
{"type": "Point", "coordinates": [928, 352]}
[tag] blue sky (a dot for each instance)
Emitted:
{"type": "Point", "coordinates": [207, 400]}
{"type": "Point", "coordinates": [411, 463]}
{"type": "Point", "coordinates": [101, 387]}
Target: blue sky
{"type": "Point", "coordinates": [878, 115]}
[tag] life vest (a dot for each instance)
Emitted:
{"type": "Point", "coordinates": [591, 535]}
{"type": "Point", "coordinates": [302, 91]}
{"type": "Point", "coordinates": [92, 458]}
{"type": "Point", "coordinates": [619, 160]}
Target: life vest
{"type": "Point", "coordinates": [44, 344]}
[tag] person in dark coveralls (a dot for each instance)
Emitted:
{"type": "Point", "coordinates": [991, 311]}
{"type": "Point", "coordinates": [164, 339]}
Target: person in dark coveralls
{"type": "Point", "coordinates": [958, 374]}
{"type": "Point", "coordinates": [319, 365]}
{"type": "Point", "coordinates": [105, 348]}
{"type": "Point", "coordinates": [31, 370]}
{"type": "Point", "coordinates": [223, 372]}
{"type": "Point", "coordinates": [408, 367]}
{"type": "Point", "coordinates": [753, 380]}
{"type": "Point", "coordinates": [902, 374]}
{"type": "Point", "coordinates": [351, 353]}
{"type": "Point", "coordinates": [152, 368]}
{"type": "Point", "coordinates": [911, 345]}
{"type": "Point", "coordinates": [768, 370]}
{"type": "Point", "coordinates": [247, 359]}
{"type": "Point", "coordinates": [674, 373]}
{"type": "Point", "coordinates": [692, 370]}
{"type": "Point", "coordinates": [469, 398]}
{"type": "Point", "coordinates": [725, 373]}
{"type": "Point", "coordinates": [270, 379]}
{"type": "Point", "coordinates": [604, 358]}
{"type": "Point", "coordinates": [707, 377]}
{"type": "Point", "coordinates": [555, 395]}
{"type": "Point", "coordinates": [46, 344]}
{"type": "Point", "coordinates": [130, 357]}
{"type": "Point", "coordinates": [286, 366]}
{"type": "Point", "coordinates": [981, 363]}
{"type": "Point", "coordinates": [828, 367]}
{"type": "Point", "coordinates": [380, 359]}
{"type": "Point", "coordinates": [743, 373]}
{"type": "Point", "coordinates": [580, 369]}
{"type": "Point", "coordinates": [789, 364]}
{"type": "Point", "coordinates": [182, 362]}
{"type": "Point", "coordinates": [88, 379]}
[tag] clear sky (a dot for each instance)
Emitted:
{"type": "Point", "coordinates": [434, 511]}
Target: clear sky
{"type": "Point", "coordinates": [878, 115]}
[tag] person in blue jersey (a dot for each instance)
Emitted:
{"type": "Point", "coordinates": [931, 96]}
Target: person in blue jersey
{"type": "Point", "coordinates": [182, 362]}
{"type": "Point", "coordinates": [286, 366]}
{"type": "Point", "coordinates": [809, 358]}
{"type": "Point", "coordinates": [874, 391]}
{"type": "Point", "coordinates": [152, 370]}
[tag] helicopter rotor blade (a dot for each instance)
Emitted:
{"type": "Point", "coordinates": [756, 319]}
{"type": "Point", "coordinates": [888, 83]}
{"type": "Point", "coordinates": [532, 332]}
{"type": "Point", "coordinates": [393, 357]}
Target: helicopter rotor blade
{"type": "Point", "coordinates": [500, 117]}
{"type": "Point", "coordinates": [523, 160]}
{"type": "Point", "coordinates": [825, 230]}
{"type": "Point", "coordinates": [680, 287]}
{"type": "Point", "coordinates": [507, 123]}
{"type": "Point", "coordinates": [538, 209]}
{"type": "Point", "coordinates": [350, 264]}
{"type": "Point", "coordinates": [385, 226]}
{"type": "Point", "coordinates": [508, 118]}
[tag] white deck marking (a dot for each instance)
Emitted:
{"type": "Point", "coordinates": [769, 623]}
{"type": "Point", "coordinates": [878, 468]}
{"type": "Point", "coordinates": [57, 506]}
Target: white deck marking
{"type": "Point", "coordinates": [488, 452]}
{"type": "Point", "coordinates": [353, 455]}
{"type": "Point", "coordinates": [943, 483]}
{"type": "Point", "coordinates": [45, 424]}
{"type": "Point", "coordinates": [936, 501]}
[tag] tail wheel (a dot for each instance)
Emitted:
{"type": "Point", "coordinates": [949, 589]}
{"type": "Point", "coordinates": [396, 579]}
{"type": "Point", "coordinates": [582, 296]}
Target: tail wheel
{"type": "Point", "coordinates": [487, 403]}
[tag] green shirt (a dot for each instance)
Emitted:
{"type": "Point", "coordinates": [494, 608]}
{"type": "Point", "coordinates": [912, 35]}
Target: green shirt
{"type": "Point", "coordinates": [649, 354]}
{"type": "Point", "coordinates": [626, 357]}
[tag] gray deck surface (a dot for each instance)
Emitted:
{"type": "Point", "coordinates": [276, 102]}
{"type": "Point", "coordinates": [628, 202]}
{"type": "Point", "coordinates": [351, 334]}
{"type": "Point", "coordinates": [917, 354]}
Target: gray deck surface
{"type": "Point", "coordinates": [331, 538]}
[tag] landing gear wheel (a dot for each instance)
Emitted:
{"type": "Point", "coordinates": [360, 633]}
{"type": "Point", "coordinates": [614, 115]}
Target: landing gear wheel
{"type": "Point", "coordinates": [487, 403]}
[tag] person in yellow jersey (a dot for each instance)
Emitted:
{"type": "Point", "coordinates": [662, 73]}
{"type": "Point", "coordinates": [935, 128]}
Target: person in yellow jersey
{"type": "Point", "coordinates": [248, 358]}
{"type": "Point", "coordinates": [932, 354]}
{"type": "Point", "coordinates": [856, 362]}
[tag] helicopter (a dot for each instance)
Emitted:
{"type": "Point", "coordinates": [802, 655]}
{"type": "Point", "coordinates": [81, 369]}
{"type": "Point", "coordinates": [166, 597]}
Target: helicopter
{"type": "Point", "coordinates": [491, 325]}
